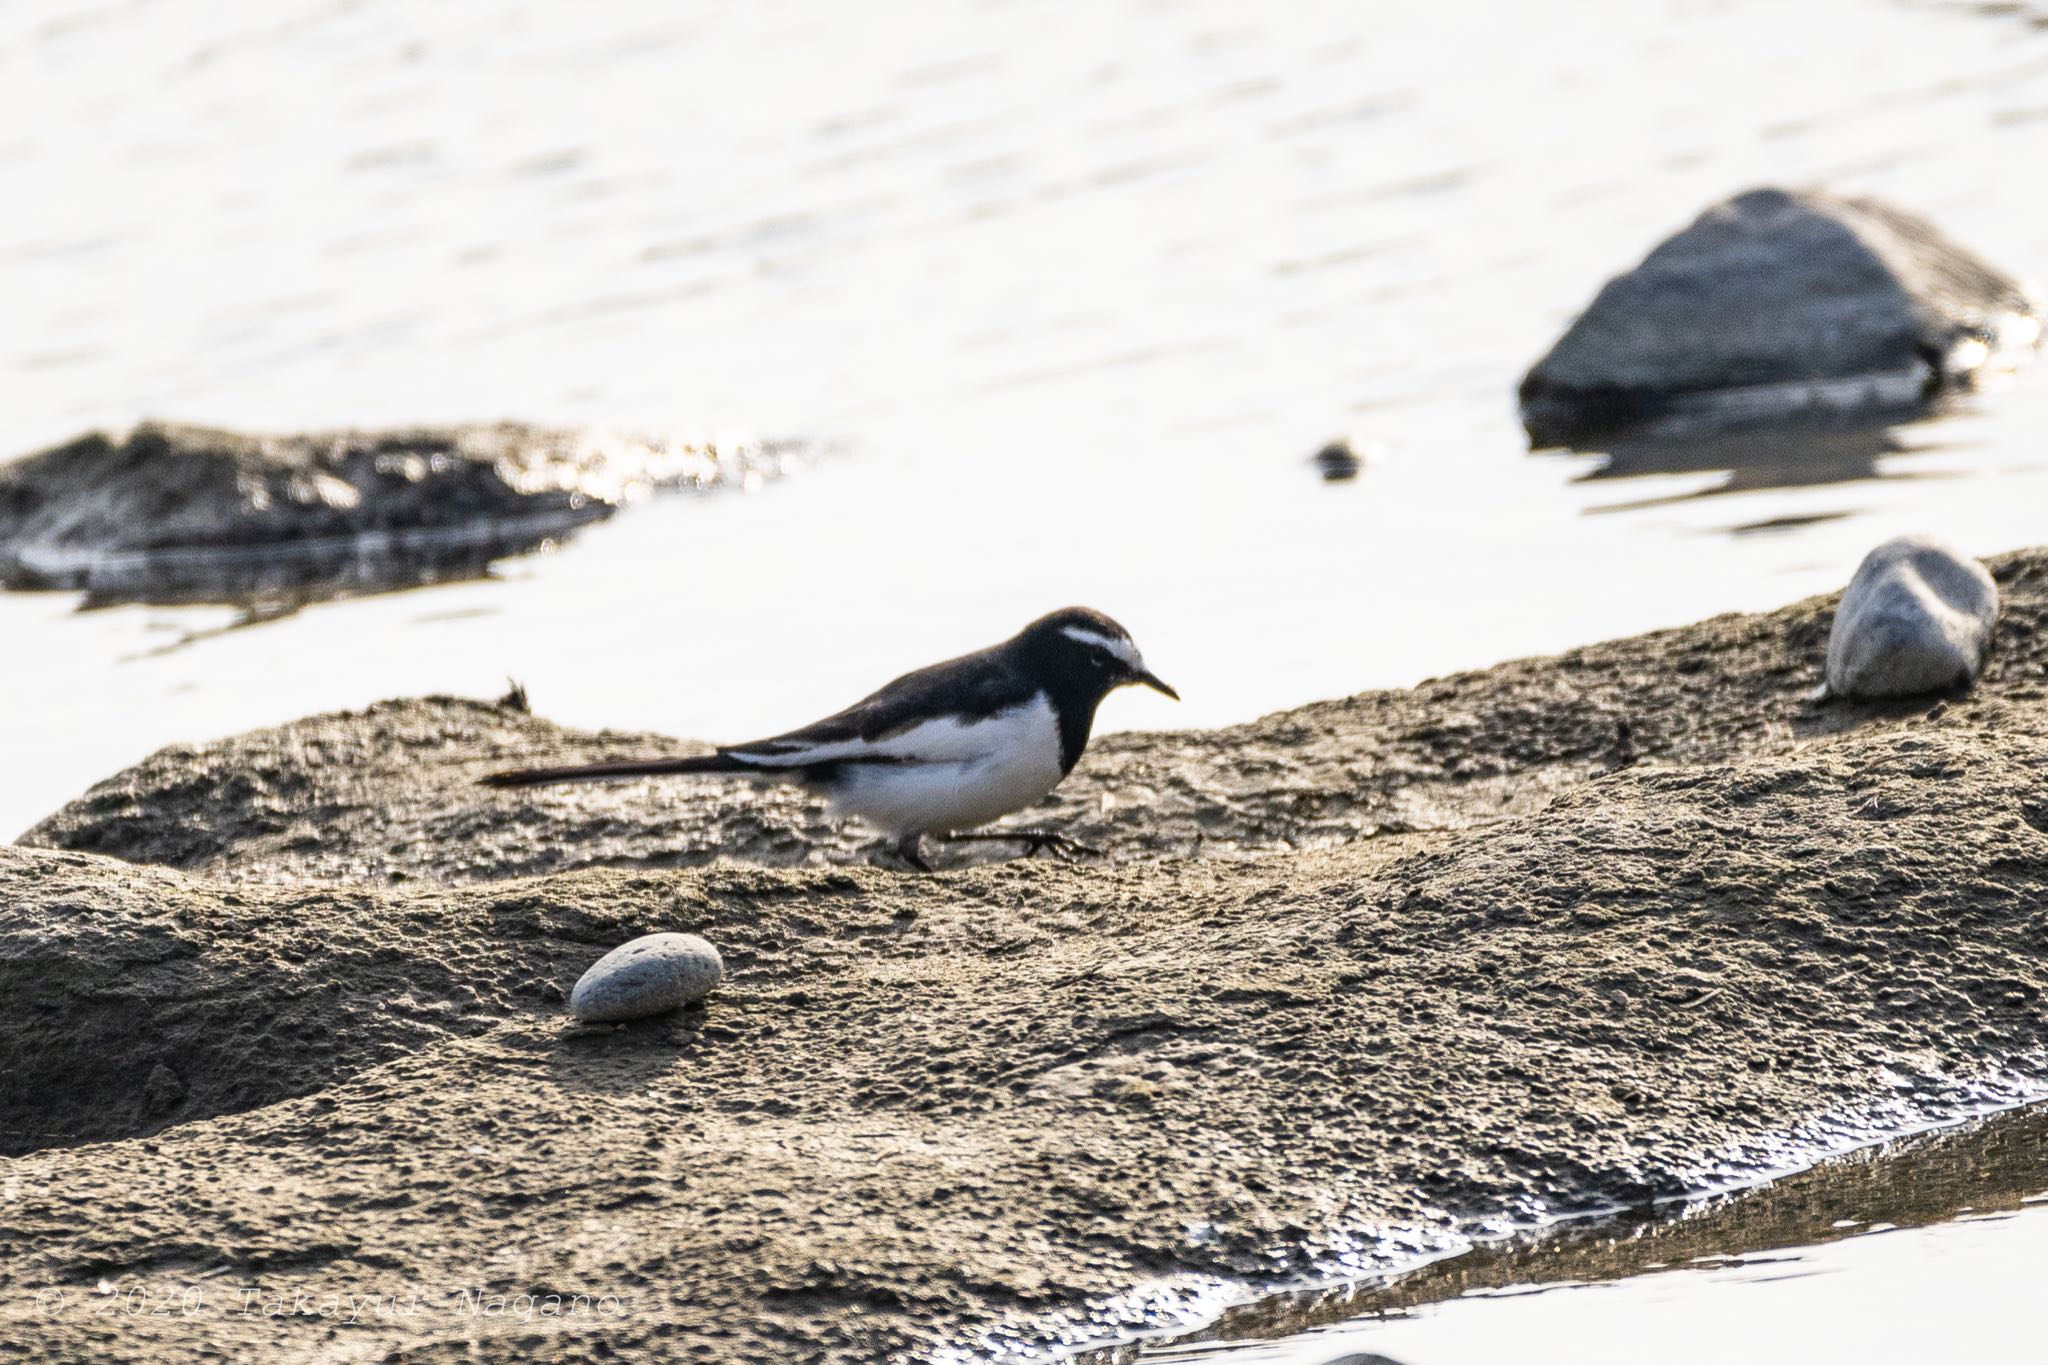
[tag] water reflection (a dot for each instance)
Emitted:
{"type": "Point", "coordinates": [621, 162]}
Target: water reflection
{"type": "Point", "coordinates": [272, 582]}
{"type": "Point", "coordinates": [1757, 458]}
{"type": "Point", "coordinates": [1761, 459]}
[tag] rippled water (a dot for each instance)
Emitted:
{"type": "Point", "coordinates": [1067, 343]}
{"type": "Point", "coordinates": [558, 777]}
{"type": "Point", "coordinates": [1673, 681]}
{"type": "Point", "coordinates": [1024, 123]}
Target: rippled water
{"type": "Point", "coordinates": [1082, 288]}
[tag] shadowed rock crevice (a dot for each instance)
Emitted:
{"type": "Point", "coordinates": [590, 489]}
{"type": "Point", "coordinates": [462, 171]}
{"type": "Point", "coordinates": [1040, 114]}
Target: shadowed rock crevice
{"type": "Point", "coordinates": [149, 999]}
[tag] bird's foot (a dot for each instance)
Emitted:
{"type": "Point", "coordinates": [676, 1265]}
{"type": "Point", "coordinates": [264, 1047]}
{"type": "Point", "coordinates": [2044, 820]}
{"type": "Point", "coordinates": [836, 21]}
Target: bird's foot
{"type": "Point", "coordinates": [1059, 845]}
{"type": "Point", "coordinates": [910, 851]}
{"type": "Point", "coordinates": [1035, 841]}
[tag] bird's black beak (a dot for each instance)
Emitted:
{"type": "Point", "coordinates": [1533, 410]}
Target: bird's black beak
{"type": "Point", "coordinates": [1153, 681]}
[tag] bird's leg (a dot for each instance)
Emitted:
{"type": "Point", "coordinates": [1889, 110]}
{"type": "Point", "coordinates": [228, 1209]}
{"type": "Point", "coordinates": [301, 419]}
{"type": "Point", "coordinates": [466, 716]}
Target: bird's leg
{"type": "Point", "coordinates": [1035, 841]}
{"type": "Point", "coordinates": [909, 850]}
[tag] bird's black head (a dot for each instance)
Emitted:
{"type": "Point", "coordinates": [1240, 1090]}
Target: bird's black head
{"type": "Point", "coordinates": [1079, 657]}
{"type": "Point", "coordinates": [1081, 654]}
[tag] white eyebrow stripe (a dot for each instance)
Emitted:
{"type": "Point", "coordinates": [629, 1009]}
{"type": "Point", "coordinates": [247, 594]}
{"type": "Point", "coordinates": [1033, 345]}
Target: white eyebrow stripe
{"type": "Point", "coordinates": [1123, 649]}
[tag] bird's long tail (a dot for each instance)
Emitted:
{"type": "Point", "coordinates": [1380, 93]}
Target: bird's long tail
{"type": "Point", "coordinates": [608, 772]}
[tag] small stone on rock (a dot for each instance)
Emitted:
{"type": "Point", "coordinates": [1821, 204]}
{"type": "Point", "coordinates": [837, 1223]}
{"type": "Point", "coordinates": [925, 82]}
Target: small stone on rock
{"type": "Point", "coordinates": [652, 974]}
{"type": "Point", "coordinates": [1916, 618]}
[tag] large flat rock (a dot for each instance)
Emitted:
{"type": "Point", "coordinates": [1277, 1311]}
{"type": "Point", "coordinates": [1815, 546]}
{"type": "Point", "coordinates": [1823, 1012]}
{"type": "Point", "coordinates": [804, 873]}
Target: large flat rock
{"type": "Point", "coordinates": [1014, 1103]}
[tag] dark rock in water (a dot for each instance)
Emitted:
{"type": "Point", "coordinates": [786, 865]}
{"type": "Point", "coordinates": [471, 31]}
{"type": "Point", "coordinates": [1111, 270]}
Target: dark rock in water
{"type": "Point", "coordinates": [1916, 618]}
{"type": "Point", "coordinates": [1778, 304]}
{"type": "Point", "coordinates": [185, 513]}
{"type": "Point", "coordinates": [1339, 462]}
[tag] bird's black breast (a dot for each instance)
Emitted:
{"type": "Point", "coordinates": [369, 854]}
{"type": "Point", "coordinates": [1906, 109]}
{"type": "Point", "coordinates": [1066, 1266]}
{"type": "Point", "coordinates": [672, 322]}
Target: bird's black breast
{"type": "Point", "coordinates": [1073, 705]}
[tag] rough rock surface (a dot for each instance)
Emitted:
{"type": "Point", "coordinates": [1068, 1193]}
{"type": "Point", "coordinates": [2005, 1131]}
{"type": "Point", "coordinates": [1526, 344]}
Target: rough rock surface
{"type": "Point", "coordinates": [1777, 302]}
{"type": "Point", "coordinates": [1916, 618]}
{"type": "Point", "coordinates": [171, 512]}
{"type": "Point", "coordinates": [1685, 913]}
{"type": "Point", "coordinates": [654, 974]}
{"type": "Point", "coordinates": [388, 794]}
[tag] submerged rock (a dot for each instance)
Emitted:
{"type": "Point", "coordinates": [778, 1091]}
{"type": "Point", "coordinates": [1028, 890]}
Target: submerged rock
{"type": "Point", "coordinates": [181, 513]}
{"type": "Point", "coordinates": [1777, 304]}
{"type": "Point", "coordinates": [1339, 461]}
{"type": "Point", "coordinates": [1011, 1105]}
{"type": "Point", "coordinates": [653, 974]}
{"type": "Point", "coordinates": [1916, 618]}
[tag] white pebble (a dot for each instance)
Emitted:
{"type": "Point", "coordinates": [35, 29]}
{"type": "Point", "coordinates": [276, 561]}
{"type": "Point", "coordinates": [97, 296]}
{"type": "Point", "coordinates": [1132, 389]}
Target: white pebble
{"type": "Point", "coordinates": [1917, 618]}
{"type": "Point", "coordinates": [652, 974]}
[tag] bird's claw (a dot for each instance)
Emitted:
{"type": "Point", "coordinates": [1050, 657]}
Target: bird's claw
{"type": "Point", "coordinates": [1059, 845]}
{"type": "Point", "coordinates": [1034, 842]}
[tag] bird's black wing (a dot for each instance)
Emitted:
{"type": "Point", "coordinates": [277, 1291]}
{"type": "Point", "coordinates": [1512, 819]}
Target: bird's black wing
{"type": "Point", "coordinates": [926, 715]}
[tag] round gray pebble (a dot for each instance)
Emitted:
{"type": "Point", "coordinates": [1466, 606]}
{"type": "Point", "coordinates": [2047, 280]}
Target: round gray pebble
{"type": "Point", "coordinates": [1917, 618]}
{"type": "Point", "coordinates": [652, 974]}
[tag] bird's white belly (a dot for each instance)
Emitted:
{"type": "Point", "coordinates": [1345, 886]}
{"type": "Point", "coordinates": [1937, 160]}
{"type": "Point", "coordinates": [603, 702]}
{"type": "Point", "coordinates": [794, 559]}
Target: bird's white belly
{"type": "Point", "coordinates": [1020, 765]}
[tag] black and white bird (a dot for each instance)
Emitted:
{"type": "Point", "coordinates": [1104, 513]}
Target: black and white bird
{"type": "Point", "coordinates": [943, 750]}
